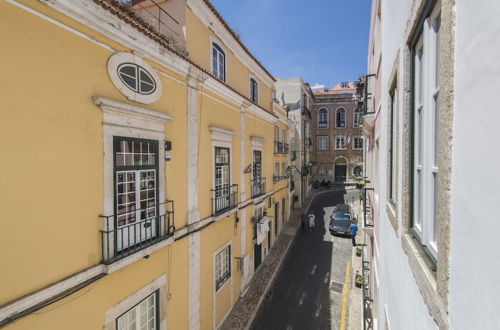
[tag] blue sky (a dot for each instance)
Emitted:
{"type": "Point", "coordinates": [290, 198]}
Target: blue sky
{"type": "Point", "coordinates": [324, 41]}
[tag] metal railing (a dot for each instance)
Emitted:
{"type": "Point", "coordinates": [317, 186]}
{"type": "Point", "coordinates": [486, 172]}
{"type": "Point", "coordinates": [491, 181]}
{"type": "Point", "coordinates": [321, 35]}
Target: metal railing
{"type": "Point", "coordinates": [120, 241]}
{"type": "Point", "coordinates": [278, 178]}
{"type": "Point", "coordinates": [280, 148]}
{"type": "Point", "coordinates": [258, 187]}
{"type": "Point", "coordinates": [155, 16]}
{"type": "Point", "coordinates": [224, 198]}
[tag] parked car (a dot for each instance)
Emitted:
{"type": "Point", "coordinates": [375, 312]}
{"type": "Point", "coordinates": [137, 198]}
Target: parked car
{"type": "Point", "coordinates": [340, 220]}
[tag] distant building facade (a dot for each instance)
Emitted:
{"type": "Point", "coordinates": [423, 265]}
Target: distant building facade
{"type": "Point", "coordinates": [337, 140]}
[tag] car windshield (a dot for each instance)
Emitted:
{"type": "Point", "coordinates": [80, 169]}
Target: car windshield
{"type": "Point", "coordinates": [342, 215]}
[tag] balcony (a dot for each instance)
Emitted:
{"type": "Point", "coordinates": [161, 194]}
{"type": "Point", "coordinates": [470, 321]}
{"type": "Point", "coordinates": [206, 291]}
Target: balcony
{"type": "Point", "coordinates": [121, 240]}
{"type": "Point", "coordinates": [224, 199]}
{"type": "Point", "coordinates": [280, 148]}
{"type": "Point", "coordinates": [278, 178]}
{"type": "Point", "coordinates": [258, 187]}
{"type": "Point", "coordinates": [167, 18]}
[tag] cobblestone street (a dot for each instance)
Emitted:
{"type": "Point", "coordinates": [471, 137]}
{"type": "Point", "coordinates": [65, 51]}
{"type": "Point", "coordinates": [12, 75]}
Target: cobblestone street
{"type": "Point", "coordinates": [307, 292]}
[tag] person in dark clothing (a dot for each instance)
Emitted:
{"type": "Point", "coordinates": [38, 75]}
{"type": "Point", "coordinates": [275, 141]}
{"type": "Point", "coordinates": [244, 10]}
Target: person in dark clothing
{"type": "Point", "coordinates": [303, 222]}
{"type": "Point", "coordinates": [354, 230]}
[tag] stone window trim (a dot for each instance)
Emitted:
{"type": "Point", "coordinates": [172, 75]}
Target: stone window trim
{"type": "Point", "coordinates": [321, 144]}
{"type": "Point", "coordinates": [126, 120]}
{"type": "Point", "coordinates": [323, 124]}
{"type": "Point", "coordinates": [339, 124]}
{"type": "Point", "coordinates": [358, 139]}
{"type": "Point", "coordinates": [158, 285]}
{"type": "Point", "coordinates": [117, 60]}
{"type": "Point", "coordinates": [340, 142]}
{"type": "Point", "coordinates": [432, 284]}
{"type": "Point", "coordinates": [393, 136]}
{"type": "Point", "coordinates": [218, 46]}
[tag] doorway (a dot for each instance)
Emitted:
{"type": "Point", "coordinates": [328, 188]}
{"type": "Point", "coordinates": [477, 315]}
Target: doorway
{"type": "Point", "coordinates": [340, 173]}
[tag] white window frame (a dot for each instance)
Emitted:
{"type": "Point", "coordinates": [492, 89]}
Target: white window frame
{"type": "Point", "coordinates": [126, 120]}
{"type": "Point", "coordinates": [327, 118]}
{"type": "Point", "coordinates": [322, 145]}
{"type": "Point", "coordinates": [216, 254]}
{"type": "Point", "coordinates": [345, 117]}
{"type": "Point", "coordinates": [425, 134]}
{"type": "Point", "coordinates": [222, 138]}
{"type": "Point", "coordinates": [158, 285]}
{"type": "Point", "coordinates": [337, 139]}
{"type": "Point", "coordinates": [357, 137]}
{"type": "Point", "coordinates": [137, 311]}
{"type": "Point", "coordinates": [220, 51]}
{"type": "Point", "coordinates": [356, 117]}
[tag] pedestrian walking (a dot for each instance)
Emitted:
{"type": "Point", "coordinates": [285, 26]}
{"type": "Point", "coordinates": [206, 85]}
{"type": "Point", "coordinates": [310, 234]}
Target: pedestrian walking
{"type": "Point", "coordinates": [303, 222]}
{"type": "Point", "coordinates": [312, 218]}
{"type": "Point", "coordinates": [354, 230]}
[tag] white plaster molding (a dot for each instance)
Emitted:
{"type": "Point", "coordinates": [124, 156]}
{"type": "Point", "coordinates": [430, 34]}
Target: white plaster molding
{"type": "Point", "coordinates": [257, 142]}
{"type": "Point", "coordinates": [194, 281]}
{"type": "Point", "coordinates": [208, 18]}
{"type": "Point", "coordinates": [221, 134]}
{"type": "Point", "coordinates": [119, 58]}
{"type": "Point", "coordinates": [126, 304]}
{"type": "Point", "coordinates": [48, 292]}
{"type": "Point", "coordinates": [229, 280]}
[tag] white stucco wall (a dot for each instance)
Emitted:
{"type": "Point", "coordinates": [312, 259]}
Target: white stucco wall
{"type": "Point", "coordinates": [399, 296]}
{"type": "Point", "coordinates": [475, 220]}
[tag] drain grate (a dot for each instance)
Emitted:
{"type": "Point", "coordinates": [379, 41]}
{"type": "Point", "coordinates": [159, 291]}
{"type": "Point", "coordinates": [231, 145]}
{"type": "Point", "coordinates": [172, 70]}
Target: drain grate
{"type": "Point", "coordinates": [337, 287]}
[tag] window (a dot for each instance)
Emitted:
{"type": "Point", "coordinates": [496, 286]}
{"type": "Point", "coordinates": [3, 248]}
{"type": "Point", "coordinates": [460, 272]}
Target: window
{"type": "Point", "coordinates": [357, 171]}
{"type": "Point", "coordinates": [344, 84]}
{"type": "Point", "coordinates": [136, 191]}
{"type": "Point", "coordinates": [218, 62]}
{"type": "Point", "coordinates": [322, 142]}
{"type": "Point", "coordinates": [358, 143]}
{"type": "Point", "coordinates": [322, 170]}
{"type": "Point", "coordinates": [340, 118]}
{"type": "Point", "coordinates": [276, 133]}
{"type": "Point", "coordinates": [136, 78]}
{"type": "Point", "coordinates": [392, 146]}
{"type": "Point", "coordinates": [425, 132]}
{"type": "Point", "coordinates": [254, 91]}
{"type": "Point", "coordinates": [356, 117]}
{"type": "Point", "coordinates": [277, 169]}
{"type": "Point", "coordinates": [144, 315]}
{"type": "Point", "coordinates": [323, 118]}
{"type": "Point", "coordinates": [222, 267]}
{"type": "Point", "coordinates": [222, 179]}
{"type": "Point", "coordinates": [340, 142]}
{"type": "Point", "coordinates": [283, 135]}
{"type": "Point", "coordinates": [283, 169]}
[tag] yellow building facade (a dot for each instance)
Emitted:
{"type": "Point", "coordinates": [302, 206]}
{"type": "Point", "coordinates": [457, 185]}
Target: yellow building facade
{"type": "Point", "coordinates": [141, 168]}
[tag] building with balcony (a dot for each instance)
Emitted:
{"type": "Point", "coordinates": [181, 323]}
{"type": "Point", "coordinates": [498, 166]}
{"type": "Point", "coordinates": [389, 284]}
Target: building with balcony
{"type": "Point", "coordinates": [431, 222]}
{"type": "Point", "coordinates": [297, 96]}
{"type": "Point", "coordinates": [337, 150]}
{"type": "Point", "coordinates": [149, 171]}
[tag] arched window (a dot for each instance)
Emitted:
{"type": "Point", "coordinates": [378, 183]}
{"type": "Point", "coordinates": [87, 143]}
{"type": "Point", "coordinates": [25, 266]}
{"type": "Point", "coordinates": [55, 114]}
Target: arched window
{"type": "Point", "coordinates": [254, 91]}
{"type": "Point", "coordinates": [323, 118]}
{"type": "Point", "coordinates": [218, 62]}
{"type": "Point", "coordinates": [322, 170]}
{"type": "Point", "coordinates": [340, 118]}
{"type": "Point", "coordinates": [356, 117]}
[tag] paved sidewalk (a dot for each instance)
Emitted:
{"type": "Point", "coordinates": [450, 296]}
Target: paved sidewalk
{"type": "Point", "coordinates": [355, 311]}
{"type": "Point", "coordinates": [245, 309]}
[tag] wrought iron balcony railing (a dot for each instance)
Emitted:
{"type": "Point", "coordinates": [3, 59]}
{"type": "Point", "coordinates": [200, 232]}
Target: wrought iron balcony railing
{"type": "Point", "coordinates": [258, 187]}
{"type": "Point", "coordinates": [280, 148]}
{"type": "Point", "coordinates": [224, 199]}
{"type": "Point", "coordinates": [127, 233]}
{"type": "Point", "coordinates": [278, 178]}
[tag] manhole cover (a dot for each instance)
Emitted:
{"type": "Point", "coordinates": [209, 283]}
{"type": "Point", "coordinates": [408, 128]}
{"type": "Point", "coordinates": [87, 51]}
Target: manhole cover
{"type": "Point", "coordinates": [336, 287]}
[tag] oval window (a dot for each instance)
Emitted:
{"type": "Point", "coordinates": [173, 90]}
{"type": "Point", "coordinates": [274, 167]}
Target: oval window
{"type": "Point", "coordinates": [136, 78]}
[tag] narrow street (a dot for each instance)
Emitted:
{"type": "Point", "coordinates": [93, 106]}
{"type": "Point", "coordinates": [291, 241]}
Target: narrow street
{"type": "Point", "coordinates": [307, 293]}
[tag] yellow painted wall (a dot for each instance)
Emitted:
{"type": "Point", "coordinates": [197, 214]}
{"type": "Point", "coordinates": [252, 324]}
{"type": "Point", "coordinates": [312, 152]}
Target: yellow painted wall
{"type": "Point", "coordinates": [237, 74]}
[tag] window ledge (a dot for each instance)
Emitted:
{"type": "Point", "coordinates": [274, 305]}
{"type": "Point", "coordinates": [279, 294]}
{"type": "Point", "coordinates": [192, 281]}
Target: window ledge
{"type": "Point", "coordinates": [424, 276]}
{"type": "Point", "coordinates": [391, 214]}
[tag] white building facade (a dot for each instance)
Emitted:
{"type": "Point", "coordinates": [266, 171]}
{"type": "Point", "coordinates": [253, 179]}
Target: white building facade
{"type": "Point", "coordinates": [431, 221]}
